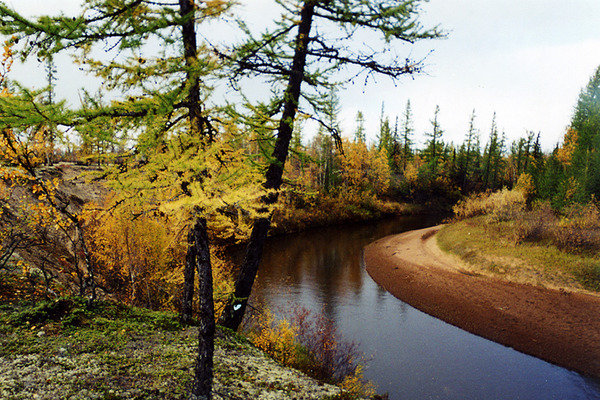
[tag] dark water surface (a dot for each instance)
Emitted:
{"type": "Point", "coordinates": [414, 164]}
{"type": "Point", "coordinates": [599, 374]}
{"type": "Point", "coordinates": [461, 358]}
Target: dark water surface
{"type": "Point", "coordinates": [411, 355]}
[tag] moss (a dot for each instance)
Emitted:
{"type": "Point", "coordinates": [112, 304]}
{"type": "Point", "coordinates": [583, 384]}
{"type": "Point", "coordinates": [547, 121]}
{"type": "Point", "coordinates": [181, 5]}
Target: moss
{"type": "Point", "coordinates": [118, 352]}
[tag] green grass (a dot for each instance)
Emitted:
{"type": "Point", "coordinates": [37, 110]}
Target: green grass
{"type": "Point", "coordinates": [491, 247]}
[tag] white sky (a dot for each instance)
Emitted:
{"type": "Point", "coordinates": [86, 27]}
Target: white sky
{"type": "Point", "coordinates": [525, 59]}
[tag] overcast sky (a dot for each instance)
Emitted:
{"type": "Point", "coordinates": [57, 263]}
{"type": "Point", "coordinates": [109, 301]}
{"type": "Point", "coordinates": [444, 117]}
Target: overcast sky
{"type": "Point", "coordinates": [527, 60]}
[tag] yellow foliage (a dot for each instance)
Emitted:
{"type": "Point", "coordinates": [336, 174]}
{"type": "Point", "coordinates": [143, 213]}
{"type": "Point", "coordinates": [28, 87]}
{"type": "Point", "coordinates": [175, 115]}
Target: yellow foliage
{"type": "Point", "coordinates": [355, 386]}
{"type": "Point", "coordinates": [363, 170]}
{"type": "Point", "coordinates": [276, 338]}
{"type": "Point", "coordinates": [411, 173]}
{"type": "Point", "coordinates": [572, 188]}
{"type": "Point", "coordinates": [565, 152]}
{"type": "Point", "coordinates": [141, 257]}
{"type": "Point", "coordinates": [499, 205]}
{"type": "Point", "coordinates": [525, 185]}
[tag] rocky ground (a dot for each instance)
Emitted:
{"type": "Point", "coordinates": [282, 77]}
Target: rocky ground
{"type": "Point", "coordinates": [68, 351]}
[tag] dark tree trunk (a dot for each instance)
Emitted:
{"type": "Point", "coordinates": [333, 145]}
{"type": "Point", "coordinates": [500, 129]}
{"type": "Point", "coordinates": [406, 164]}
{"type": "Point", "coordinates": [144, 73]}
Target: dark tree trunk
{"type": "Point", "coordinates": [234, 309]}
{"type": "Point", "coordinates": [190, 52]}
{"type": "Point", "coordinates": [199, 255]}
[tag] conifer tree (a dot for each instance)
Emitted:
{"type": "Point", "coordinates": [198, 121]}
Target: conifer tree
{"type": "Point", "coordinates": [294, 54]}
{"type": "Point", "coordinates": [585, 167]}
{"type": "Point", "coordinates": [153, 71]}
{"type": "Point", "coordinates": [490, 155]}
{"type": "Point", "coordinates": [434, 146]}
{"type": "Point", "coordinates": [406, 136]}
{"type": "Point", "coordinates": [470, 148]}
{"type": "Point", "coordinates": [359, 133]}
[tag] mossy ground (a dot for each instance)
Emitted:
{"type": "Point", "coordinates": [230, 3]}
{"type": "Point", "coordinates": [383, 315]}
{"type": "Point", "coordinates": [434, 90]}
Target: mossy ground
{"type": "Point", "coordinates": [68, 349]}
{"type": "Point", "coordinates": [492, 248]}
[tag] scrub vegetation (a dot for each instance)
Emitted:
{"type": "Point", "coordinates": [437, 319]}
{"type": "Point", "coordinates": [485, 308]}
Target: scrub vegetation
{"type": "Point", "coordinates": [546, 229]}
{"type": "Point", "coordinates": [134, 196]}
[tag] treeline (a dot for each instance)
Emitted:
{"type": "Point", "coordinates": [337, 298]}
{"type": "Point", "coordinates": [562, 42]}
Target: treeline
{"type": "Point", "coordinates": [394, 167]}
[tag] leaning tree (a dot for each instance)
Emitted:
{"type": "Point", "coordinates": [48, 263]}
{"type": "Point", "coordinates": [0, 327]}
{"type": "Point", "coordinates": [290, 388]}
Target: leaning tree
{"type": "Point", "coordinates": [315, 45]}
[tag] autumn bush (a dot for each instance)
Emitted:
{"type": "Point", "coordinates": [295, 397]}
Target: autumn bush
{"type": "Point", "coordinates": [312, 344]}
{"type": "Point", "coordinates": [579, 228]}
{"type": "Point", "coordinates": [502, 205]}
{"type": "Point", "coordinates": [140, 258]}
{"type": "Point", "coordinates": [535, 225]}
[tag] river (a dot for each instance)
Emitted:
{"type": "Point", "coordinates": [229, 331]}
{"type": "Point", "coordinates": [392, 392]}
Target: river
{"type": "Point", "coordinates": [410, 354]}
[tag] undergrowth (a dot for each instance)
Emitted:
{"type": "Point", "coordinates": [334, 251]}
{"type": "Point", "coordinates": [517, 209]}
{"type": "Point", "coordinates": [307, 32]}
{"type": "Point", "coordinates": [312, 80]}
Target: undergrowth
{"type": "Point", "coordinates": [311, 343]}
{"type": "Point", "coordinates": [504, 232]}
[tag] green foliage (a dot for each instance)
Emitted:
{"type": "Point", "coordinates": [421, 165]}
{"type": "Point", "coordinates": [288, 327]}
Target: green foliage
{"type": "Point", "coordinates": [433, 151]}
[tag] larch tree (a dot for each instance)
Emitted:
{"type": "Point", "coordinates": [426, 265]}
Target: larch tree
{"type": "Point", "coordinates": [153, 96]}
{"type": "Point", "coordinates": [316, 43]}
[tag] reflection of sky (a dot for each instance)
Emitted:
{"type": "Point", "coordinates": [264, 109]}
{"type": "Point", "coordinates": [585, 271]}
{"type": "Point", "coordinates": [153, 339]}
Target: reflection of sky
{"type": "Point", "coordinates": [412, 355]}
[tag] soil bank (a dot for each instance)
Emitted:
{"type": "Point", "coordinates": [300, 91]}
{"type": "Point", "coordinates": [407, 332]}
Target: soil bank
{"type": "Point", "coordinates": [559, 326]}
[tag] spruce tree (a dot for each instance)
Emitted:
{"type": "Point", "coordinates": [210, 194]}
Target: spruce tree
{"type": "Point", "coordinates": [585, 166]}
{"type": "Point", "coordinates": [359, 133]}
{"type": "Point", "coordinates": [406, 136]}
{"type": "Point", "coordinates": [434, 146]}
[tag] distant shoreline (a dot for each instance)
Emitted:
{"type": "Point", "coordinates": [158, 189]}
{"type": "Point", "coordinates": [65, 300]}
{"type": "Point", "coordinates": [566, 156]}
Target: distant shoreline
{"type": "Point", "coordinates": [558, 326]}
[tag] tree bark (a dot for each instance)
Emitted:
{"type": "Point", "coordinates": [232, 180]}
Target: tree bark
{"type": "Point", "coordinates": [199, 256]}
{"type": "Point", "coordinates": [234, 310]}
{"type": "Point", "coordinates": [190, 53]}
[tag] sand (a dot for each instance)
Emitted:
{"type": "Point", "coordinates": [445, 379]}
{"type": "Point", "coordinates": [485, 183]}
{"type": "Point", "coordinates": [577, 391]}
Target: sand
{"type": "Point", "coordinates": [559, 326]}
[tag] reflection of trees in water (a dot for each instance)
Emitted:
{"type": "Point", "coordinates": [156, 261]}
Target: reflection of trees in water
{"type": "Point", "coordinates": [590, 387]}
{"type": "Point", "coordinates": [320, 267]}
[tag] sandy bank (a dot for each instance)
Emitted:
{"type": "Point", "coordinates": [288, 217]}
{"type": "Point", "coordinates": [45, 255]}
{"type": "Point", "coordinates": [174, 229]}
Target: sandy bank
{"type": "Point", "coordinates": [559, 326]}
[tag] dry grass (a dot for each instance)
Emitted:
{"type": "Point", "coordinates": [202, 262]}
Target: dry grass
{"type": "Point", "coordinates": [499, 206]}
{"type": "Point", "coordinates": [537, 247]}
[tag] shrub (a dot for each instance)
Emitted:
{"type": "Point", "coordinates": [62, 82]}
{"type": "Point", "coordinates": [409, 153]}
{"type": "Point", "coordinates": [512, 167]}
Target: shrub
{"type": "Point", "coordinates": [311, 344]}
{"type": "Point", "coordinates": [472, 206]}
{"type": "Point", "coordinates": [502, 205]}
{"type": "Point", "coordinates": [331, 357]}
{"type": "Point", "coordinates": [579, 229]}
{"type": "Point", "coordinates": [276, 338]}
{"type": "Point", "coordinates": [535, 225]}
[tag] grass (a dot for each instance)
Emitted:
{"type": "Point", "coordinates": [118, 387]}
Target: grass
{"type": "Point", "coordinates": [492, 248]}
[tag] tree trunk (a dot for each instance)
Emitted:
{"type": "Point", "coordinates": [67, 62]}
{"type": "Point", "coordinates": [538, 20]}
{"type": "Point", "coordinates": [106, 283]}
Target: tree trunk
{"type": "Point", "coordinates": [199, 256]}
{"type": "Point", "coordinates": [234, 309]}
{"type": "Point", "coordinates": [190, 53]}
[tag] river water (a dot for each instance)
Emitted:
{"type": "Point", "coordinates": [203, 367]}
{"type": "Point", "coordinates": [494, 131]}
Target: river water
{"type": "Point", "coordinates": [410, 354]}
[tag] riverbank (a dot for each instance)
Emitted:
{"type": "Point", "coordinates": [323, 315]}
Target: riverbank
{"type": "Point", "coordinates": [559, 326]}
{"type": "Point", "coordinates": [333, 212]}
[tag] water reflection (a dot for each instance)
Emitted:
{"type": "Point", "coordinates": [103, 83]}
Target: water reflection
{"type": "Point", "coordinates": [413, 356]}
